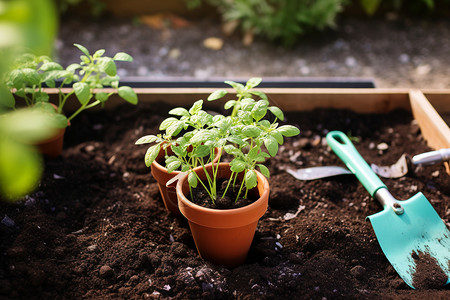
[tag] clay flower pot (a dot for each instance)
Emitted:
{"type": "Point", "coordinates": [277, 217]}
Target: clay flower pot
{"type": "Point", "coordinates": [168, 194]}
{"type": "Point", "coordinates": [223, 236]}
{"type": "Point", "coordinates": [52, 147]}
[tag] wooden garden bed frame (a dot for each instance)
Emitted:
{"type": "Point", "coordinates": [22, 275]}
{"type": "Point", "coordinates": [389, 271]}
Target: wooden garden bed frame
{"type": "Point", "coordinates": [429, 107]}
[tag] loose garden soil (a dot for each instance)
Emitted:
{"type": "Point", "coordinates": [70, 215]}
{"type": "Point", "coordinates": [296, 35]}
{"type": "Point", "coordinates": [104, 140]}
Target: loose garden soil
{"type": "Point", "coordinates": [96, 227]}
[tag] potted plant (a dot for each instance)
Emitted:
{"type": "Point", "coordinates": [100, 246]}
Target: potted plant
{"type": "Point", "coordinates": [166, 144]}
{"type": "Point", "coordinates": [88, 78]}
{"type": "Point", "coordinates": [236, 193]}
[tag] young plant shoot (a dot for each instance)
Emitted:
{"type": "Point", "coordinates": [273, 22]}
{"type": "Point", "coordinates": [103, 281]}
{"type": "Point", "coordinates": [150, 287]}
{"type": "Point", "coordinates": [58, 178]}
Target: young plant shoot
{"type": "Point", "coordinates": [246, 135]}
{"type": "Point", "coordinates": [88, 78]}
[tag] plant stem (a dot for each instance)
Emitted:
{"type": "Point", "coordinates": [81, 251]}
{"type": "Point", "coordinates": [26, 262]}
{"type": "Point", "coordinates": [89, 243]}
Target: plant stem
{"type": "Point", "coordinates": [83, 107]}
{"type": "Point", "coordinates": [240, 188]}
{"type": "Point", "coordinates": [229, 182]}
{"type": "Point", "coordinates": [204, 186]}
{"type": "Point", "coordinates": [235, 109]}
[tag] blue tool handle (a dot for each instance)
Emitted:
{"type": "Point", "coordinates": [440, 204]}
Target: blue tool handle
{"type": "Point", "coordinates": [344, 148]}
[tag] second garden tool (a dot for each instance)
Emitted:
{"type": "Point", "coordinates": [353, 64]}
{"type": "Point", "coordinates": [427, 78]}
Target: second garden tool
{"type": "Point", "coordinates": [399, 169]}
{"type": "Point", "coordinates": [403, 165]}
{"type": "Point", "coordinates": [411, 234]}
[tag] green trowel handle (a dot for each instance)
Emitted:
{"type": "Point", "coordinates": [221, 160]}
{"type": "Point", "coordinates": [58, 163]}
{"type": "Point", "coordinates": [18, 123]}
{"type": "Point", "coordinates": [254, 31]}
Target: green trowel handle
{"type": "Point", "coordinates": [344, 148]}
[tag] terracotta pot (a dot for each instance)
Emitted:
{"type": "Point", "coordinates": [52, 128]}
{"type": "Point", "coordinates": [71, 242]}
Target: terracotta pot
{"type": "Point", "coordinates": [223, 236]}
{"type": "Point", "coordinates": [168, 194]}
{"type": "Point", "coordinates": [52, 147]}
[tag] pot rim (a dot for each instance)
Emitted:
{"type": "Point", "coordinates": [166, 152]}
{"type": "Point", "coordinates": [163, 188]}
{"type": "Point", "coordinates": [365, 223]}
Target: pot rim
{"type": "Point", "coordinates": [223, 217]}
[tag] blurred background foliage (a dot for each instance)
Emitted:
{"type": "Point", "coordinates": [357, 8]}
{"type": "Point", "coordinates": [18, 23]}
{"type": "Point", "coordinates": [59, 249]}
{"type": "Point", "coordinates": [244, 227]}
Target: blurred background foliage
{"type": "Point", "coordinates": [280, 21]}
{"type": "Point", "coordinates": [25, 25]}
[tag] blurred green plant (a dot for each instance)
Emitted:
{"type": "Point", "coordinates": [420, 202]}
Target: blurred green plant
{"type": "Point", "coordinates": [95, 7]}
{"type": "Point", "coordinates": [417, 7]}
{"type": "Point", "coordinates": [30, 24]}
{"type": "Point", "coordinates": [89, 77]}
{"type": "Point", "coordinates": [283, 20]}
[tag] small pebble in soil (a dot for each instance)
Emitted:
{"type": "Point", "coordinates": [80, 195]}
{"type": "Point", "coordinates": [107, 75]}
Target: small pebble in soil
{"type": "Point", "coordinates": [179, 249]}
{"type": "Point", "coordinates": [358, 271]}
{"type": "Point", "coordinates": [29, 201]}
{"type": "Point", "coordinates": [106, 271]}
{"type": "Point", "coordinates": [296, 258]}
{"type": "Point", "coordinates": [186, 277]}
{"type": "Point", "coordinates": [92, 248]}
{"type": "Point", "coordinates": [382, 146]}
{"type": "Point", "coordinates": [8, 222]}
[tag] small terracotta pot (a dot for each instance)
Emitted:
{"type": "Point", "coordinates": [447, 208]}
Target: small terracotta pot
{"type": "Point", "coordinates": [168, 194]}
{"type": "Point", "coordinates": [52, 147]}
{"type": "Point", "coordinates": [223, 236]}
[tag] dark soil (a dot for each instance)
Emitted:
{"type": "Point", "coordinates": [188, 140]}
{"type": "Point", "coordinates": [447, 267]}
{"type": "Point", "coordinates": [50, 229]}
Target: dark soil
{"type": "Point", "coordinates": [428, 273]}
{"type": "Point", "coordinates": [226, 200]}
{"type": "Point", "coordinates": [96, 227]}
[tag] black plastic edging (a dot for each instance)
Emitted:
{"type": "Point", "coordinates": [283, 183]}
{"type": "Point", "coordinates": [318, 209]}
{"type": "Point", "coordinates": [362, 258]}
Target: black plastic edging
{"type": "Point", "coordinates": [316, 83]}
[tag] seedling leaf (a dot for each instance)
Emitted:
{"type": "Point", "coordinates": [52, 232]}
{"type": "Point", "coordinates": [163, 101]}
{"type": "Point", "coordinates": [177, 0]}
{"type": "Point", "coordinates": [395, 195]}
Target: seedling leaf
{"type": "Point", "coordinates": [253, 82]}
{"type": "Point", "coordinates": [108, 66]}
{"type": "Point", "coordinates": [229, 104]}
{"type": "Point", "coordinates": [82, 91]}
{"type": "Point", "coordinates": [151, 154]}
{"type": "Point", "coordinates": [122, 56]}
{"type": "Point", "coordinates": [196, 107]}
{"type": "Point", "coordinates": [271, 144]}
{"type": "Point", "coordinates": [82, 49]}
{"type": "Point", "coordinates": [173, 166]}
{"type": "Point", "coordinates": [277, 112]}
{"type": "Point", "coordinates": [237, 165]}
{"type": "Point", "coordinates": [251, 131]}
{"type": "Point", "coordinates": [101, 96]}
{"type": "Point", "coordinates": [288, 130]}
{"type": "Point", "coordinates": [264, 170]}
{"type": "Point", "coordinates": [146, 139]}
{"type": "Point", "coordinates": [251, 179]}
{"type": "Point", "coordinates": [128, 94]}
{"type": "Point", "coordinates": [217, 95]}
{"type": "Point", "coordinates": [237, 86]}
{"type": "Point", "coordinates": [259, 110]}
{"type": "Point", "coordinates": [166, 123]}
{"type": "Point", "coordinates": [179, 111]}
{"type": "Point", "coordinates": [192, 179]}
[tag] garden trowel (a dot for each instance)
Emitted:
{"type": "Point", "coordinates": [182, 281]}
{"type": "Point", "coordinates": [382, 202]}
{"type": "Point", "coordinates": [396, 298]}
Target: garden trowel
{"type": "Point", "coordinates": [410, 232]}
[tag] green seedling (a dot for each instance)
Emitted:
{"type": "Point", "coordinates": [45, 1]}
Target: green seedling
{"type": "Point", "coordinates": [88, 78]}
{"type": "Point", "coordinates": [246, 135]}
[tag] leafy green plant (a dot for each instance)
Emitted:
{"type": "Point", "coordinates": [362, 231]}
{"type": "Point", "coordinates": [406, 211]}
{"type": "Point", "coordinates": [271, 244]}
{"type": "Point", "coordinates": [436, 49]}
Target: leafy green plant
{"type": "Point", "coordinates": [88, 78]}
{"type": "Point", "coordinates": [419, 7]}
{"type": "Point", "coordinates": [283, 20]}
{"type": "Point", "coordinates": [95, 7]}
{"type": "Point", "coordinates": [246, 135]}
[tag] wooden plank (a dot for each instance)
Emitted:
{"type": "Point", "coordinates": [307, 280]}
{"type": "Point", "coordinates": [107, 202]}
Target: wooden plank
{"type": "Point", "coordinates": [434, 130]}
{"type": "Point", "coordinates": [358, 100]}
